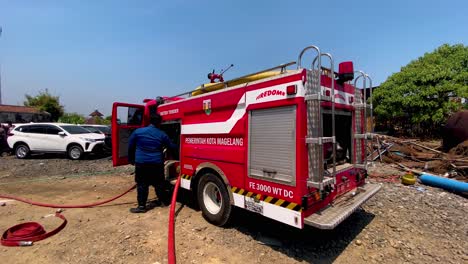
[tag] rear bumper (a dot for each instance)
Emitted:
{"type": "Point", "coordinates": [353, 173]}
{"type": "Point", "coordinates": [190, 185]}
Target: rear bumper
{"type": "Point", "coordinates": [331, 216]}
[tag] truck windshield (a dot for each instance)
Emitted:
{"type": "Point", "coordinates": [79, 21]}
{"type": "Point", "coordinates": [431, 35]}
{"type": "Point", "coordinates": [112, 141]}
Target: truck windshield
{"type": "Point", "coordinates": [75, 129]}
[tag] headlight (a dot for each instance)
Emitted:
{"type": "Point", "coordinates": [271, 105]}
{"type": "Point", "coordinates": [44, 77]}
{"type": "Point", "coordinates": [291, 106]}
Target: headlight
{"type": "Point", "coordinates": [89, 139]}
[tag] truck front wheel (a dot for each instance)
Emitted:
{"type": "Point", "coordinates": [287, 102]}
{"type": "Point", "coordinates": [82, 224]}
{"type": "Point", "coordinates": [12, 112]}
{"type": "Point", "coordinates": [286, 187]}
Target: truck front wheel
{"type": "Point", "coordinates": [213, 199]}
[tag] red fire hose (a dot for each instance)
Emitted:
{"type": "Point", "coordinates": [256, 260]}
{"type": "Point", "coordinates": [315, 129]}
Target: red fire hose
{"type": "Point", "coordinates": [64, 205]}
{"type": "Point", "coordinates": [170, 235]}
{"type": "Point", "coordinates": [26, 233]}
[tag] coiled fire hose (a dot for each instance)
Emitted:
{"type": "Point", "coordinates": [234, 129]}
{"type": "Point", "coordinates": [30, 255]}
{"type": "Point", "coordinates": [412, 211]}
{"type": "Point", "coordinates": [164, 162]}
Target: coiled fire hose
{"type": "Point", "coordinates": [26, 233]}
{"type": "Point", "coordinates": [171, 257]}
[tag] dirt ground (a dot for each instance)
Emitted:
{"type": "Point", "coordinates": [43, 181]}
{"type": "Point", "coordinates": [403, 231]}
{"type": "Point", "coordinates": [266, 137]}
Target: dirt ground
{"type": "Point", "coordinates": [399, 225]}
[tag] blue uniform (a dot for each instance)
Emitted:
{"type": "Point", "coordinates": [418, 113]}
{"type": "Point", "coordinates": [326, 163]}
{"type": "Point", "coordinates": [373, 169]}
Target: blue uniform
{"type": "Point", "coordinates": [146, 145]}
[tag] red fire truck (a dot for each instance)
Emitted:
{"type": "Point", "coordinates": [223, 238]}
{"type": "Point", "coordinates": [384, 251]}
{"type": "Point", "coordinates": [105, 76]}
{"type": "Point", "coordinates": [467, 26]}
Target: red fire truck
{"type": "Point", "coordinates": [285, 143]}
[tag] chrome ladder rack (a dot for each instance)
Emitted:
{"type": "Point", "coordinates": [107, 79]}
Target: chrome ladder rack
{"type": "Point", "coordinates": [360, 129]}
{"type": "Point", "coordinates": [315, 138]}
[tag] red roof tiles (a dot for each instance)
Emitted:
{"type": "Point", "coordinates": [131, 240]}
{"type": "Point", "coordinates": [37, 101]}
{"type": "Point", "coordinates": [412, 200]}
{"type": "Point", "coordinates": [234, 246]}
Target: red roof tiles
{"type": "Point", "coordinates": [18, 109]}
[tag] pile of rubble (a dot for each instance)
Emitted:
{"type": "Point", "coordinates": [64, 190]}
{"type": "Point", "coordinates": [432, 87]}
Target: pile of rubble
{"type": "Point", "coordinates": [417, 156]}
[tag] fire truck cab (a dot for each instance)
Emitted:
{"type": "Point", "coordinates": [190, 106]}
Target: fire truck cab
{"type": "Point", "coordinates": [289, 144]}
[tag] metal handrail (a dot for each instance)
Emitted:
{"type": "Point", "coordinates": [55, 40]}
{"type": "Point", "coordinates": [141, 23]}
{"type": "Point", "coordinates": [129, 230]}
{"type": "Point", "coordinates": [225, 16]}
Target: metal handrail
{"type": "Point", "coordinates": [309, 91]}
{"type": "Point", "coordinates": [371, 116]}
{"type": "Point", "coordinates": [364, 87]}
{"type": "Point", "coordinates": [281, 66]}
{"type": "Point", "coordinates": [299, 59]}
{"type": "Point", "coordinates": [332, 77]}
{"type": "Point", "coordinates": [371, 105]}
{"type": "Point", "coordinates": [362, 74]}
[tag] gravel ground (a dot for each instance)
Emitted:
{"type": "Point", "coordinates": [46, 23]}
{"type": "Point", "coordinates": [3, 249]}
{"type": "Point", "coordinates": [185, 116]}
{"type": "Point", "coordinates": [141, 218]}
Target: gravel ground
{"type": "Point", "coordinates": [399, 225]}
{"type": "Point", "coordinates": [52, 165]}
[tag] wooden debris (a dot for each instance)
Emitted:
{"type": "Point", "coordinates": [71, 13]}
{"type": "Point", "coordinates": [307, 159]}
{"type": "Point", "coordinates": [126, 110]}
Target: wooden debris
{"type": "Point", "coordinates": [413, 155]}
{"type": "Point", "coordinates": [424, 147]}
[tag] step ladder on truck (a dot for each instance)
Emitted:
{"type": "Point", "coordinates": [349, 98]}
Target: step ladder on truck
{"type": "Point", "coordinates": [288, 144]}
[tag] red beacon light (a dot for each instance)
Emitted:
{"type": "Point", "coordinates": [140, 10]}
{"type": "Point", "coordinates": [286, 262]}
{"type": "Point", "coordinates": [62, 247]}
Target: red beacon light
{"type": "Point", "coordinates": [345, 71]}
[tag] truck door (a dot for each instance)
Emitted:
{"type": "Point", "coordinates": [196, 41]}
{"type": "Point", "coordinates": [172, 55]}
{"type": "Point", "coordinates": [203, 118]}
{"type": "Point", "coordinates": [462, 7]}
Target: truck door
{"type": "Point", "coordinates": [125, 119]}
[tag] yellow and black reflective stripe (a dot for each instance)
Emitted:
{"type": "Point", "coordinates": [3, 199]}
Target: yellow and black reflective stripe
{"type": "Point", "coordinates": [268, 199]}
{"type": "Point", "coordinates": [186, 176]}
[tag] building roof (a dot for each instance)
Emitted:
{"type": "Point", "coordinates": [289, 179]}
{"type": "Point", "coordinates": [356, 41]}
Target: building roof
{"type": "Point", "coordinates": [92, 120]}
{"type": "Point", "coordinates": [18, 109]}
{"type": "Point", "coordinates": [96, 113]}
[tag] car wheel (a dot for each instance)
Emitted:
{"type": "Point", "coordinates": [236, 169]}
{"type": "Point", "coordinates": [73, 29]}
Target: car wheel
{"type": "Point", "coordinates": [213, 199]}
{"type": "Point", "coordinates": [22, 151]}
{"type": "Point", "coordinates": [75, 152]}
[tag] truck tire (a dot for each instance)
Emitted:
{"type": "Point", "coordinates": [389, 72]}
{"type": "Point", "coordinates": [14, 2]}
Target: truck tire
{"type": "Point", "coordinates": [75, 152]}
{"type": "Point", "coordinates": [214, 200]}
{"type": "Point", "coordinates": [22, 151]}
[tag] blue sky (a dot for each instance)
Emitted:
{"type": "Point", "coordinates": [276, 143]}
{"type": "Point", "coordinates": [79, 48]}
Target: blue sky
{"type": "Point", "coordinates": [93, 53]}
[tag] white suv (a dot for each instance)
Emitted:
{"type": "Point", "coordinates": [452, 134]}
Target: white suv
{"type": "Point", "coordinates": [53, 138]}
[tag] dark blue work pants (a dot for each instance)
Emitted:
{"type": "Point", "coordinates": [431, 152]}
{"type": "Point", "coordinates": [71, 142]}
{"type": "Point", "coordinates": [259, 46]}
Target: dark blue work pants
{"type": "Point", "coordinates": [151, 174]}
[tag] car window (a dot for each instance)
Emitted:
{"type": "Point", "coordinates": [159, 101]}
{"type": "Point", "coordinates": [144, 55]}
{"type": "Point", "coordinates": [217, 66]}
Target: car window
{"type": "Point", "coordinates": [135, 116]}
{"type": "Point", "coordinates": [92, 129]}
{"type": "Point", "coordinates": [22, 129]}
{"type": "Point", "coordinates": [104, 129]}
{"type": "Point", "coordinates": [37, 129]}
{"type": "Point", "coordinates": [75, 129]}
{"type": "Point", "coordinates": [153, 109]}
{"type": "Point", "coordinates": [52, 130]}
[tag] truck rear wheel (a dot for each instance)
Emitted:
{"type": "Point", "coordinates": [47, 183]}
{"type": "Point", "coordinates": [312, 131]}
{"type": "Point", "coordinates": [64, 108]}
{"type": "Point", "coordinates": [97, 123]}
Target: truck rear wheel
{"type": "Point", "coordinates": [213, 199]}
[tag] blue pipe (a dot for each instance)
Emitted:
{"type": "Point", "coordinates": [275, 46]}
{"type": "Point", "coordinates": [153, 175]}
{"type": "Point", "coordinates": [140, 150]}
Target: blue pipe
{"type": "Point", "coordinates": [444, 183]}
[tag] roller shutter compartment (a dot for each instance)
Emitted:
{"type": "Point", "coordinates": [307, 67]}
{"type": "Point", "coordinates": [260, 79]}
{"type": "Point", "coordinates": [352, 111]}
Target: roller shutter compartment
{"type": "Point", "coordinates": [272, 144]}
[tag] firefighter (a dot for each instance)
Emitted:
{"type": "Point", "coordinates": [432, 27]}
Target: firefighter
{"type": "Point", "coordinates": [145, 151]}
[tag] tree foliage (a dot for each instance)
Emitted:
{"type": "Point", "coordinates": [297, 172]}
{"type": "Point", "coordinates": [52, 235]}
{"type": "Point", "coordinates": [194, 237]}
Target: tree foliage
{"type": "Point", "coordinates": [72, 118]}
{"type": "Point", "coordinates": [108, 120]}
{"type": "Point", "coordinates": [45, 101]}
{"type": "Point", "coordinates": [425, 91]}
{"type": "Point", "coordinates": [100, 121]}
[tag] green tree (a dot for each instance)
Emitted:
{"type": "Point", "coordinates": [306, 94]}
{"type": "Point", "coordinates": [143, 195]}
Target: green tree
{"type": "Point", "coordinates": [424, 92]}
{"type": "Point", "coordinates": [108, 120]}
{"type": "Point", "coordinates": [72, 118]}
{"type": "Point", "coordinates": [100, 121]}
{"type": "Point", "coordinates": [45, 101]}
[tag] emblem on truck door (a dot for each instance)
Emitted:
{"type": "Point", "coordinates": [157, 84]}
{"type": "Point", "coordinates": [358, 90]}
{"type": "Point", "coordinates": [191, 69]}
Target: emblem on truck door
{"type": "Point", "coordinates": [207, 106]}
